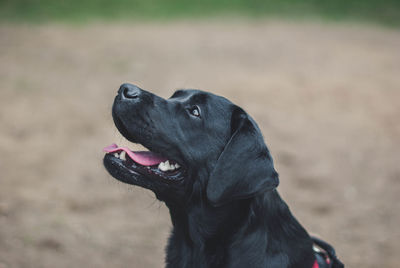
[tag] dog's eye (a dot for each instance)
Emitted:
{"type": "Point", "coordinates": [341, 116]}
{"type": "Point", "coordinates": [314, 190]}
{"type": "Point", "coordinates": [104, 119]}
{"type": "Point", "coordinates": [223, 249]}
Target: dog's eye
{"type": "Point", "coordinates": [194, 110]}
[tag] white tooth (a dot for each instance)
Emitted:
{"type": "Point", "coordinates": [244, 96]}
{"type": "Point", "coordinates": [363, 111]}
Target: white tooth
{"type": "Point", "coordinates": [122, 156]}
{"type": "Point", "coordinates": [116, 155]}
{"type": "Point", "coordinates": [171, 166]}
{"type": "Point", "coordinates": [164, 168]}
{"type": "Point", "coordinates": [177, 165]}
{"type": "Point", "coordinates": [166, 164]}
{"type": "Point", "coordinates": [161, 166]}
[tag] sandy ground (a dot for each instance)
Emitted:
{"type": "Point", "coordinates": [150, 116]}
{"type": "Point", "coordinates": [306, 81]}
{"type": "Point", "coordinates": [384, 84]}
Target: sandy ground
{"type": "Point", "coordinates": [327, 98]}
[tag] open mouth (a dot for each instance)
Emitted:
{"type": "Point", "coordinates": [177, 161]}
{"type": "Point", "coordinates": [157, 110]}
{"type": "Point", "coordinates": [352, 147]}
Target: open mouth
{"type": "Point", "coordinates": [146, 163]}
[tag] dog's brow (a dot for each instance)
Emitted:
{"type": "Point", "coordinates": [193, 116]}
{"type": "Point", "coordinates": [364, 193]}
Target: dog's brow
{"type": "Point", "coordinates": [199, 98]}
{"type": "Point", "coordinates": [178, 93]}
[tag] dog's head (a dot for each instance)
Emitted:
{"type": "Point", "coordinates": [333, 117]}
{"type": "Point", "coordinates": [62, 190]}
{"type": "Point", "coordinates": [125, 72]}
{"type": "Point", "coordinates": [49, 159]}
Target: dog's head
{"type": "Point", "coordinates": [195, 140]}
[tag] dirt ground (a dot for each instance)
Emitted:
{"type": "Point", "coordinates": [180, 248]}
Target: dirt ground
{"type": "Point", "coordinates": [327, 98]}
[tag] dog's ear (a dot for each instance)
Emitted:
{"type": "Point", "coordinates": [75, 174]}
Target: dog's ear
{"type": "Point", "coordinates": [245, 166]}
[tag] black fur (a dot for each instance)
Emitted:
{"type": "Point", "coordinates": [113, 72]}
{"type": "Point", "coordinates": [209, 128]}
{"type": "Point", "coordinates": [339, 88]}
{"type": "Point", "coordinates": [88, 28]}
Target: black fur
{"type": "Point", "coordinates": [226, 211]}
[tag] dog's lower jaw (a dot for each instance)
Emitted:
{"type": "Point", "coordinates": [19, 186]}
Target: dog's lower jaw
{"type": "Point", "coordinates": [268, 229]}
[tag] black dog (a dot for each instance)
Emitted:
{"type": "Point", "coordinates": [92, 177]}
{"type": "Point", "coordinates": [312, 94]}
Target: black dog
{"type": "Point", "coordinates": [208, 162]}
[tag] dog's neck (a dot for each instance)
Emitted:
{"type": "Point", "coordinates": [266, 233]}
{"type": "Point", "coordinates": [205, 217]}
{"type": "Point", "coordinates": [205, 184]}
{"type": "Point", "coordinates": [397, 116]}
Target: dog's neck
{"type": "Point", "coordinates": [263, 225]}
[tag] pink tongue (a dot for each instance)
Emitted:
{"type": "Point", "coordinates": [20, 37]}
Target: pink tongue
{"type": "Point", "coordinates": [145, 158]}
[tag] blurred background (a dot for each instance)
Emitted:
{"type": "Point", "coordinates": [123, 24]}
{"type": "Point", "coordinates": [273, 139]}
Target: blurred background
{"type": "Point", "coordinates": [322, 79]}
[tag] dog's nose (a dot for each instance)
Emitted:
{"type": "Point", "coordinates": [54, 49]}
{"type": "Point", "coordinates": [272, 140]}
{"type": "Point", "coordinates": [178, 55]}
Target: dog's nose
{"type": "Point", "coordinates": [129, 91]}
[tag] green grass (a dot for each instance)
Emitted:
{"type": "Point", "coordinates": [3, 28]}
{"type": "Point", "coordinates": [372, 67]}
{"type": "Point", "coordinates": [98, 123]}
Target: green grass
{"type": "Point", "coordinates": [385, 12]}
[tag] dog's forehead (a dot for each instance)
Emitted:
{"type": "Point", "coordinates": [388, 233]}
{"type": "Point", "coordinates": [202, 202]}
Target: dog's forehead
{"type": "Point", "coordinates": [196, 96]}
